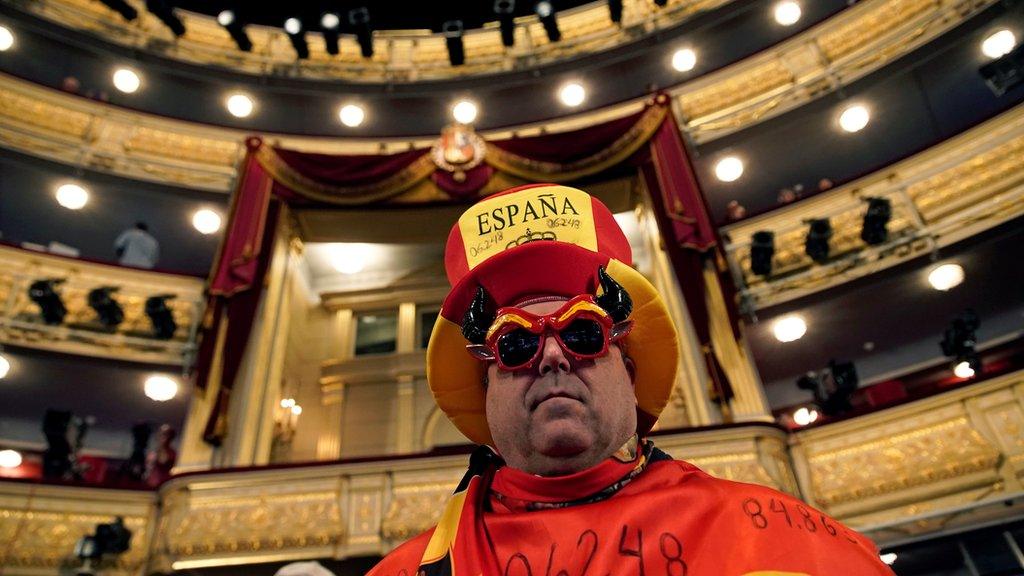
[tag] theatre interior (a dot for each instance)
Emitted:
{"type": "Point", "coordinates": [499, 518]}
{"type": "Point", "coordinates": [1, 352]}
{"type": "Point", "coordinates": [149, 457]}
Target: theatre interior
{"type": "Point", "coordinates": [828, 194]}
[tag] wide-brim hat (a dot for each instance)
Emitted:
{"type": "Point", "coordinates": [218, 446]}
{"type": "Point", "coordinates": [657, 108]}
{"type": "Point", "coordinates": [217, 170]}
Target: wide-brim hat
{"type": "Point", "coordinates": [541, 240]}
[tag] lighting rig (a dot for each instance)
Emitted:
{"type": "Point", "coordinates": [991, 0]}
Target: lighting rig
{"type": "Point", "coordinates": [958, 343]}
{"type": "Point", "coordinates": [44, 294]}
{"type": "Point", "coordinates": [832, 387]}
{"type": "Point", "coordinates": [107, 309]}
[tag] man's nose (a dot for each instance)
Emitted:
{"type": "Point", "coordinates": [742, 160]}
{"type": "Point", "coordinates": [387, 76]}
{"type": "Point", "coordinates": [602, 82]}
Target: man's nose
{"type": "Point", "coordinates": [553, 358]}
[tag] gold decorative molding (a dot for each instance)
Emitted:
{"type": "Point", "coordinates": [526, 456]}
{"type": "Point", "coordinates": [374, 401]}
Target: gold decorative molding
{"type": "Point", "coordinates": [835, 53]}
{"type": "Point", "coordinates": [952, 191]}
{"type": "Point", "coordinates": [399, 55]}
{"type": "Point", "coordinates": [81, 333]}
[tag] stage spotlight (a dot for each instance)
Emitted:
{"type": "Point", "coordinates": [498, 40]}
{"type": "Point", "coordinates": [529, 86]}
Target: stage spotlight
{"type": "Point", "coordinates": [505, 10]}
{"type": "Point", "coordinates": [107, 309]}
{"type": "Point", "coordinates": [452, 30]}
{"type": "Point", "coordinates": [546, 12]}
{"type": "Point", "coordinates": [109, 539]}
{"type": "Point", "coordinates": [126, 10]}
{"type": "Point", "coordinates": [661, 3]}
{"type": "Point", "coordinates": [816, 244]}
{"type": "Point", "coordinates": [615, 11]}
{"type": "Point", "coordinates": [958, 343]}
{"type": "Point", "coordinates": [762, 249]}
{"type": "Point", "coordinates": [50, 305]}
{"type": "Point", "coordinates": [1004, 73]}
{"type": "Point", "coordinates": [329, 28]}
{"type": "Point", "coordinates": [832, 388]}
{"type": "Point", "coordinates": [161, 316]}
{"type": "Point", "coordinates": [874, 230]}
{"type": "Point", "coordinates": [165, 12]}
{"type": "Point", "coordinates": [359, 19]}
{"type": "Point", "coordinates": [233, 24]}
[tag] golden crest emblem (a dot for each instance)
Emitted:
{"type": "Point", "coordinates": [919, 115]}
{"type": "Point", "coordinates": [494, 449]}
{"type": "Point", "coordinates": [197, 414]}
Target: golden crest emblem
{"type": "Point", "coordinates": [457, 150]}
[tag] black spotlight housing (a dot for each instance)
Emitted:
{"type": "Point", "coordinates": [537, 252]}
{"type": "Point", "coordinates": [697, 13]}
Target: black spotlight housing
{"type": "Point", "coordinates": [359, 19]}
{"type": "Point", "coordinates": [505, 10]}
{"type": "Point", "coordinates": [615, 11]}
{"type": "Point", "coordinates": [661, 3]}
{"type": "Point", "coordinates": [44, 294]}
{"type": "Point", "coordinates": [236, 29]}
{"type": "Point", "coordinates": [126, 10]}
{"type": "Point", "coordinates": [107, 309]}
{"type": "Point", "coordinates": [816, 244]}
{"type": "Point", "coordinates": [546, 12]}
{"type": "Point", "coordinates": [959, 340]}
{"type": "Point", "coordinates": [452, 30]}
{"type": "Point", "coordinates": [1005, 72]}
{"type": "Point", "coordinates": [874, 231]}
{"type": "Point", "coordinates": [762, 249]}
{"type": "Point", "coordinates": [161, 317]}
{"type": "Point", "coordinates": [165, 12]}
{"type": "Point", "coordinates": [298, 40]}
{"type": "Point", "coordinates": [832, 387]}
{"type": "Point", "coordinates": [109, 539]}
{"type": "Point", "coordinates": [330, 33]}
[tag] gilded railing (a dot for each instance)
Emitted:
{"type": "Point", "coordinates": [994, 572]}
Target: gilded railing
{"type": "Point", "coordinates": [952, 191]}
{"type": "Point", "coordinates": [938, 463]}
{"type": "Point", "coordinates": [399, 55]}
{"type": "Point", "coordinates": [80, 331]}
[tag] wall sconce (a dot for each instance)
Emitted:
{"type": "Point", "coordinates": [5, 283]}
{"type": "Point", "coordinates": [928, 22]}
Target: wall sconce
{"type": "Point", "coordinates": [286, 419]}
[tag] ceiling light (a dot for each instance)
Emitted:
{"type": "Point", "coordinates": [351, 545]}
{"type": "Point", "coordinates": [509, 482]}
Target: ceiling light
{"type": "Point", "coordinates": [351, 115]}
{"type": "Point", "coordinates": [72, 196]}
{"type": "Point", "coordinates": [946, 276]}
{"type": "Point", "coordinates": [206, 221]}
{"type": "Point", "coordinates": [804, 416]}
{"type": "Point", "coordinates": [293, 25]}
{"type": "Point", "coordinates": [572, 94]}
{"type": "Point", "coordinates": [999, 44]}
{"type": "Point", "coordinates": [729, 169]}
{"type": "Point", "coordinates": [126, 80]}
{"type": "Point", "coordinates": [888, 558]}
{"type": "Point", "coordinates": [789, 328]}
{"type": "Point", "coordinates": [287, 402]}
{"type": "Point", "coordinates": [349, 258]}
{"type": "Point", "coordinates": [963, 370]}
{"type": "Point", "coordinates": [225, 18]}
{"type": "Point", "coordinates": [6, 38]}
{"type": "Point", "coordinates": [464, 112]}
{"type": "Point", "coordinates": [787, 13]}
{"type": "Point", "coordinates": [684, 59]}
{"type": "Point", "coordinates": [5, 367]}
{"type": "Point", "coordinates": [240, 105]}
{"type": "Point", "coordinates": [296, 409]}
{"type": "Point", "coordinates": [161, 388]}
{"type": "Point", "coordinates": [330, 21]}
{"type": "Point", "coordinates": [854, 118]}
{"type": "Point", "coordinates": [10, 459]}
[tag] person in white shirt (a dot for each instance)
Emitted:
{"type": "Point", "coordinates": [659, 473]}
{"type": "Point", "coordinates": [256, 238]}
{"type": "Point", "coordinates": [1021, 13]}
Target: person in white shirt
{"type": "Point", "coordinates": [137, 248]}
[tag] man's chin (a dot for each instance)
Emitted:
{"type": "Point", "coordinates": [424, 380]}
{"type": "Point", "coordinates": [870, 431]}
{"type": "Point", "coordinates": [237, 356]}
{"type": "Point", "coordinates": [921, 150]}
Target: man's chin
{"type": "Point", "coordinates": [562, 439]}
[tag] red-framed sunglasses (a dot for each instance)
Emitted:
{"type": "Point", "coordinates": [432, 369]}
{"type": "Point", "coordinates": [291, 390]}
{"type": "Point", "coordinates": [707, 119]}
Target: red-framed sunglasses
{"type": "Point", "coordinates": [581, 327]}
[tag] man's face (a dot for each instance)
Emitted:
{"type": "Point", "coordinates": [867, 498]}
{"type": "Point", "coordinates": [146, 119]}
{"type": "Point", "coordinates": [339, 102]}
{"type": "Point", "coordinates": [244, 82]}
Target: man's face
{"type": "Point", "coordinates": [562, 415]}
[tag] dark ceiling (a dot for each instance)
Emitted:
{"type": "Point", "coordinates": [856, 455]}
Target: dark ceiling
{"type": "Point", "coordinates": [384, 14]}
{"type": "Point", "coordinates": [898, 312]}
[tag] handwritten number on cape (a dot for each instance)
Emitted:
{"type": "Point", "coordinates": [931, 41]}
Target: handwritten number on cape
{"type": "Point", "coordinates": [638, 552]}
{"type": "Point", "coordinates": [593, 549]}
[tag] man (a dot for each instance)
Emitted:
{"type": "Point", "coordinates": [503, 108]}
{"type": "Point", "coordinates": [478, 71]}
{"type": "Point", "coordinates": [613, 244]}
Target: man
{"type": "Point", "coordinates": [557, 357]}
{"type": "Point", "coordinates": [135, 247]}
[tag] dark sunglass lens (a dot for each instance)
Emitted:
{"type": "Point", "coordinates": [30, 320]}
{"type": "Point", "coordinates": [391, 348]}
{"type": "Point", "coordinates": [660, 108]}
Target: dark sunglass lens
{"type": "Point", "coordinates": [583, 336]}
{"type": "Point", "coordinates": [517, 347]}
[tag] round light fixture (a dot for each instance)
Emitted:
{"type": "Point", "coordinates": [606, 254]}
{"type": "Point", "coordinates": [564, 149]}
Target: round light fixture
{"type": "Point", "coordinates": [72, 196]}
{"type": "Point", "coordinates": [729, 169]}
{"type": "Point", "coordinates": [10, 459]}
{"type": "Point", "coordinates": [787, 13]}
{"type": "Point", "coordinates": [287, 402]}
{"type": "Point", "coordinates": [126, 80]}
{"type": "Point", "coordinates": [804, 416]}
{"type": "Point", "coordinates": [946, 276]}
{"type": "Point", "coordinates": [225, 18]}
{"type": "Point", "coordinates": [998, 44]}
{"type": "Point", "coordinates": [240, 105]}
{"type": "Point", "coordinates": [349, 258]}
{"type": "Point", "coordinates": [6, 38]}
{"type": "Point", "coordinates": [296, 409]}
{"type": "Point", "coordinates": [161, 388]}
{"type": "Point", "coordinates": [329, 21]}
{"type": "Point", "coordinates": [572, 94]}
{"type": "Point", "coordinates": [963, 370]}
{"type": "Point", "coordinates": [351, 115]}
{"type": "Point", "coordinates": [5, 367]}
{"type": "Point", "coordinates": [789, 328]}
{"type": "Point", "coordinates": [293, 25]}
{"type": "Point", "coordinates": [854, 118]}
{"type": "Point", "coordinates": [206, 221]}
{"type": "Point", "coordinates": [464, 112]}
{"type": "Point", "coordinates": [684, 59]}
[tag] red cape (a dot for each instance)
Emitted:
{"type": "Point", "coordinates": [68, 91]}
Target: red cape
{"type": "Point", "coordinates": [671, 520]}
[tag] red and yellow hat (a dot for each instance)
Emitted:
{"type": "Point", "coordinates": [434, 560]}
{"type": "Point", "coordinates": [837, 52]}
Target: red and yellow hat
{"type": "Point", "coordinates": [542, 240]}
